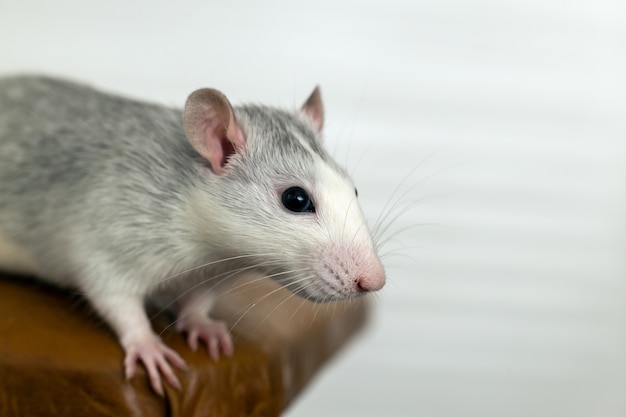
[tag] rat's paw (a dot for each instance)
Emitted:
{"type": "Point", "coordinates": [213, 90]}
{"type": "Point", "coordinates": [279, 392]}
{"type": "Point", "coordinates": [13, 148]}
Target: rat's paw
{"type": "Point", "coordinates": [156, 357]}
{"type": "Point", "coordinates": [213, 333]}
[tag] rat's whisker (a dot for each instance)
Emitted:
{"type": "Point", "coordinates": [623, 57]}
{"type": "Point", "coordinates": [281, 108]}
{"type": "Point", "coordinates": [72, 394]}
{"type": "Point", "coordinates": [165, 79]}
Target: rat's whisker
{"type": "Point", "coordinates": [401, 184]}
{"type": "Point", "coordinates": [269, 294]}
{"type": "Point", "coordinates": [211, 263]}
{"type": "Point", "coordinates": [393, 252]}
{"type": "Point", "coordinates": [224, 276]}
{"type": "Point", "coordinates": [405, 229]}
{"type": "Point", "coordinates": [261, 278]}
{"type": "Point", "coordinates": [399, 213]}
{"type": "Point", "coordinates": [208, 290]}
{"type": "Point", "coordinates": [293, 294]}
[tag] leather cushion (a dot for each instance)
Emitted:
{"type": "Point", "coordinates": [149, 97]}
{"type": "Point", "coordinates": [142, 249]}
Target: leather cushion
{"type": "Point", "coordinates": [57, 358]}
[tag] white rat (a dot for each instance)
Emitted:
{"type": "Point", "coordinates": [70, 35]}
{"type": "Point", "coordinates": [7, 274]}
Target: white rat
{"type": "Point", "coordinates": [123, 200]}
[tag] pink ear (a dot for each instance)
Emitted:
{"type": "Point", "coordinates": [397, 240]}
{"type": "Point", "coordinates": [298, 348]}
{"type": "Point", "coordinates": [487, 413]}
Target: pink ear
{"type": "Point", "coordinates": [313, 108]}
{"type": "Point", "coordinates": [211, 128]}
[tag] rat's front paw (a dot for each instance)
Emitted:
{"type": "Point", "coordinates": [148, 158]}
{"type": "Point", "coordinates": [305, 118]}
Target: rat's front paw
{"type": "Point", "coordinates": [156, 357]}
{"type": "Point", "coordinates": [213, 333]}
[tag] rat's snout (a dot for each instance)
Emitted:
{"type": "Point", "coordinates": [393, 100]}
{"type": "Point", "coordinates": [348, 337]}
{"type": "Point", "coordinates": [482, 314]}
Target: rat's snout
{"type": "Point", "coordinates": [373, 280]}
{"type": "Point", "coordinates": [348, 271]}
{"type": "Point", "coordinates": [369, 283]}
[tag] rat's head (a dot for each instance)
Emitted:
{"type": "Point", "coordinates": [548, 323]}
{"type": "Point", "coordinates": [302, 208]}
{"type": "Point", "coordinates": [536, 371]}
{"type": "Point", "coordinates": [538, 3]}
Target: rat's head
{"type": "Point", "coordinates": [275, 198]}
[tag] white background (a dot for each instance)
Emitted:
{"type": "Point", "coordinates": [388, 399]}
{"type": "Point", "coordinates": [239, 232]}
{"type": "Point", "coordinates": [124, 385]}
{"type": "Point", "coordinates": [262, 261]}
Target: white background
{"type": "Point", "coordinates": [505, 119]}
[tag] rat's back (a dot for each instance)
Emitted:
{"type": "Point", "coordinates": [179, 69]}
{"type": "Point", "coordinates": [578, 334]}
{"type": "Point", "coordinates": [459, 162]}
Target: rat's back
{"type": "Point", "coordinates": [36, 166]}
{"type": "Point", "coordinates": [70, 159]}
{"type": "Point", "coordinates": [43, 141]}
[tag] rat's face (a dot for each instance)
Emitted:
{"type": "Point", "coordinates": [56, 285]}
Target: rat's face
{"type": "Point", "coordinates": [329, 244]}
{"type": "Point", "coordinates": [302, 218]}
{"type": "Point", "coordinates": [277, 201]}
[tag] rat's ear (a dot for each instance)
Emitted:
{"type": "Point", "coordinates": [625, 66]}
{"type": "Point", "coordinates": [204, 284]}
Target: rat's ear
{"type": "Point", "coordinates": [211, 128]}
{"type": "Point", "coordinates": [313, 108]}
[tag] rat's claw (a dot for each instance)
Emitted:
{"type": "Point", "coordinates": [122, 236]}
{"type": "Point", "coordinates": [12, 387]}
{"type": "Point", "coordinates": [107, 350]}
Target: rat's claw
{"type": "Point", "coordinates": [157, 358]}
{"type": "Point", "coordinates": [213, 333]}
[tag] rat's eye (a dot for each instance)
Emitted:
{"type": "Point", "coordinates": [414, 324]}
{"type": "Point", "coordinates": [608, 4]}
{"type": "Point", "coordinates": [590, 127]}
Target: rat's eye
{"type": "Point", "coordinates": [297, 200]}
{"type": "Point", "coordinates": [356, 192]}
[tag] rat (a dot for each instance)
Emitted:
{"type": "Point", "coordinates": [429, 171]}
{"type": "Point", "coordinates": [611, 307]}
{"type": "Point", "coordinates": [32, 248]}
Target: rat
{"type": "Point", "coordinates": [124, 200]}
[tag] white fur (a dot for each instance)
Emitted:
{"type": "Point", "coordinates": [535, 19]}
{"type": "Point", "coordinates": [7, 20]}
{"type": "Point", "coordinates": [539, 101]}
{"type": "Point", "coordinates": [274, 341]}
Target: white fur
{"type": "Point", "coordinates": [342, 252]}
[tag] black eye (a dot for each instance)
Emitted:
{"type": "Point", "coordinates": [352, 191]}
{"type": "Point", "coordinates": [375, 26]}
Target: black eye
{"type": "Point", "coordinates": [297, 200]}
{"type": "Point", "coordinates": [356, 192]}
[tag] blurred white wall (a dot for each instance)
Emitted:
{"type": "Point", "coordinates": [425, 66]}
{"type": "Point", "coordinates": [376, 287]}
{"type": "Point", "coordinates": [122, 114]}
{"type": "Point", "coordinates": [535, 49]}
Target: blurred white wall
{"type": "Point", "coordinates": [505, 119]}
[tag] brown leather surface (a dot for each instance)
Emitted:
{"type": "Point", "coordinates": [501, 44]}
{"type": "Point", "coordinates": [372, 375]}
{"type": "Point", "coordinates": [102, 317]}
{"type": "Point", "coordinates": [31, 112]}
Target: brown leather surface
{"type": "Point", "coordinates": [58, 359]}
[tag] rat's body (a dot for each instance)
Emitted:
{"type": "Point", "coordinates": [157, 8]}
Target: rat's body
{"type": "Point", "coordinates": [118, 198]}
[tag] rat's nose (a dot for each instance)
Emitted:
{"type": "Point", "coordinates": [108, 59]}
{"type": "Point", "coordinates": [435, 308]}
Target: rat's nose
{"type": "Point", "coordinates": [369, 283]}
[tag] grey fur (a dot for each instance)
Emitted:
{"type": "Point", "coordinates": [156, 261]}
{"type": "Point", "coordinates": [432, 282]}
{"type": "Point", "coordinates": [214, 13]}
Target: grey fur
{"type": "Point", "coordinates": [107, 195]}
{"type": "Point", "coordinates": [83, 172]}
{"type": "Point", "coordinates": [73, 159]}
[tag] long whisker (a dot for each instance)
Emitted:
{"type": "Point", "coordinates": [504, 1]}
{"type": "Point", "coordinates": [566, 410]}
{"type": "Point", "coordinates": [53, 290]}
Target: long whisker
{"type": "Point", "coordinates": [413, 226]}
{"type": "Point", "coordinates": [247, 283]}
{"type": "Point", "coordinates": [288, 297]}
{"type": "Point", "coordinates": [224, 276]}
{"type": "Point", "coordinates": [319, 305]}
{"type": "Point", "coordinates": [299, 278]}
{"type": "Point", "coordinates": [232, 258]}
{"type": "Point", "coordinates": [396, 190]}
{"type": "Point", "coordinates": [378, 238]}
{"type": "Point", "coordinates": [390, 220]}
{"type": "Point", "coordinates": [261, 278]}
{"type": "Point", "coordinates": [400, 198]}
{"type": "Point", "coordinates": [303, 302]}
{"type": "Point", "coordinates": [253, 304]}
{"type": "Point", "coordinates": [380, 229]}
{"type": "Point", "coordinates": [393, 252]}
{"type": "Point", "coordinates": [398, 255]}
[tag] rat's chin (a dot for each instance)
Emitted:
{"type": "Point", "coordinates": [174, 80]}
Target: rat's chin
{"type": "Point", "coordinates": [325, 293]}
{"type": "Point", "coordinates": [335, 297]}
{"type": "Point", "coordinates": [317, 287]}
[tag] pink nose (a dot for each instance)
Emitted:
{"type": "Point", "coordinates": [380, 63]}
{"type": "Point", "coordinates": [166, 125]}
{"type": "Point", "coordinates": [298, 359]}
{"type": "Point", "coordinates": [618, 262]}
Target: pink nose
{"type": "Point", "coordinates": [370, 283]}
